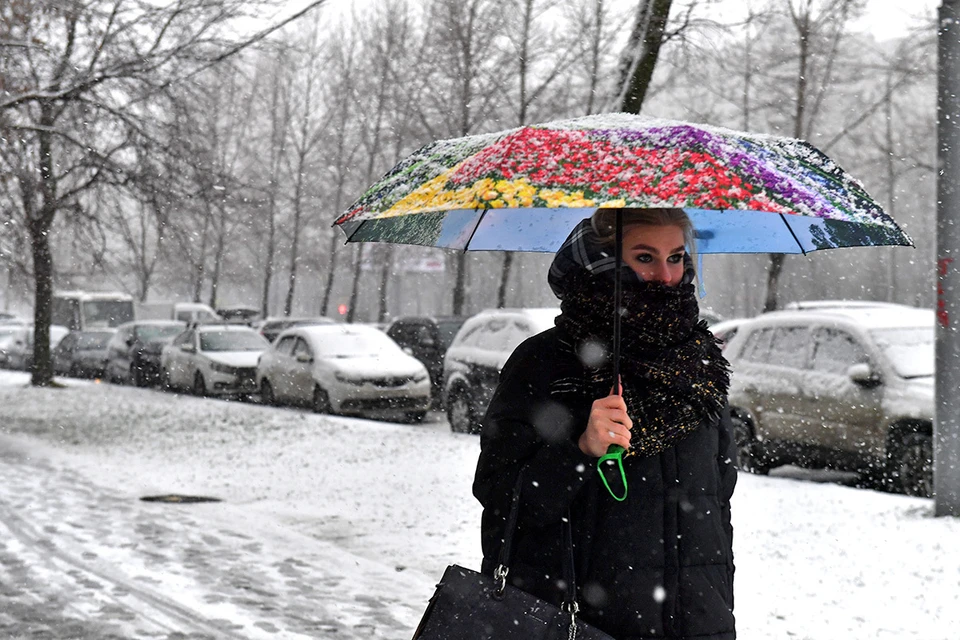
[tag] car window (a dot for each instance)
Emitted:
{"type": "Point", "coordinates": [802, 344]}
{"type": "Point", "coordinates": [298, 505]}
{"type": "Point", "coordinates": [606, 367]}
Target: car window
{"type": "Point", "coordinates": [446, 330]}
{"type": "Point", "coordinates": [148, 332]}
{"type": "Point", "coordinates": [184, 316]}
{"type": "Point", "coordinates": [184, 338]}
{"type": "Point", "coordinates": [835, 351]}
{"type": "Point", "coordinates": [472, 336]}
{"type": "Point", "coordinates": [231, 341]}
{"type": "Point", "coordinates": [789, 347]}
{"type": "Point", "coordinates": [301, 346]}
{"type": "Point", "coordinates": [496, 335]}
{"type": "Point", "coordinates": [757, 346]}
{"type": "Point", "coordinates": [910, 350]}
{"type": "Point", "coordinates": [285, 345]}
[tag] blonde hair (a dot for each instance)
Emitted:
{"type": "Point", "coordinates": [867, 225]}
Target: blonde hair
{"type": "Point", "coordinates": [604, 223]}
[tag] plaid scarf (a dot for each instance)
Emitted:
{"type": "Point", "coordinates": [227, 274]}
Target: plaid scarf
{"type": "Point", "coordinates": [674, 375]}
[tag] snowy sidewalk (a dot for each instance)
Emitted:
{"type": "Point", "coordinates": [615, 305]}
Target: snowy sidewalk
{"type": "Point", "coordinates": [80, 561]}
{"type": "Point", "coordinates": [337, 527]}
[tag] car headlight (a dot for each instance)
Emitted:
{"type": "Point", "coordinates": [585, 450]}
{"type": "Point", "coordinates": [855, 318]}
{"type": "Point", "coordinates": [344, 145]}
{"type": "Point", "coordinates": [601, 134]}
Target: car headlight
{"type": "Point", "coordinates": [420, 377]}
{"type": "Point", "coordinates": [222, 368]}
{"type": "Point", "coordinates": [342, 377]}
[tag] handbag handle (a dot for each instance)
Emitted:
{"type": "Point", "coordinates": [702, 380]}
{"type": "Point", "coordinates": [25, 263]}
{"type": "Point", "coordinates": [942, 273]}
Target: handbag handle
{"type": "Point", "coordinates": [568, 560]}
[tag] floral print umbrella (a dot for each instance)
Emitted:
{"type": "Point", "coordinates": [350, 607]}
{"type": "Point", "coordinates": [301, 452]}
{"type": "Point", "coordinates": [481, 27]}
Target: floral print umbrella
{"type": "Point", "coordinates": [526, 188]}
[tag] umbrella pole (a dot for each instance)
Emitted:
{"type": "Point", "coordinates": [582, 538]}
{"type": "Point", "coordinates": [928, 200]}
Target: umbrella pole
{"type": "Point", "coordinates": [618, 258]}
{"type": "Point", "coordinates": [614, 455]}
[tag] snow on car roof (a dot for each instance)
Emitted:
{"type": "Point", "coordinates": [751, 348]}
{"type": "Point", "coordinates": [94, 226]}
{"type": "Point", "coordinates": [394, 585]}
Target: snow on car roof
{"type": "Point", "coordinates": [885, 316]}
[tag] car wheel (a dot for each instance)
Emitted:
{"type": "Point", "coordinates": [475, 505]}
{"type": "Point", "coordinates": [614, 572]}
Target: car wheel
{"type": "Point", "coordinates": [748, 454]}
{"type": "Point", "coordinates": [915, 461]}
{"type": "Point", "coordinates": [415, 417]}
{"type": "Point", "coordinates": [460, 414]}
{"type": "Point", "coordinates": [266, 393]}
{"type": "Point", "coordinates": [138, 376]}
{"type": "Point", "coordinates": [321, 400]}
{"type": "Point", "coordinates": [199, 386]}
{"type": "Point", "coordinates": [165, 383]}
{"type": "Point", "coordinates": [74, 371]}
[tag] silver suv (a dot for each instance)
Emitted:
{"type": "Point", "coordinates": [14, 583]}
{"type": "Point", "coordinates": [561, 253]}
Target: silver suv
{"type": "Point", "coordinates": [847, 387]}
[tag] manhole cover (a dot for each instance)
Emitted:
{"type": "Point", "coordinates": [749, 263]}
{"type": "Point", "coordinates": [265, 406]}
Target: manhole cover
{"type": "Point", "coordinates": [179, 499]}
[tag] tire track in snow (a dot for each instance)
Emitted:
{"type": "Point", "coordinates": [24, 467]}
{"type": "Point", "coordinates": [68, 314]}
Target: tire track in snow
{"type": "Point", "coordinates": [106, 592]}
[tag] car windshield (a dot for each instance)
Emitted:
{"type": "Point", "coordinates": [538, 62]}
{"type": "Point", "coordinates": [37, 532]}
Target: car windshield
{"type": "Point", "coordinates": [110, 313]}
{"type": "Point", "coordinates": [908, 349]}
{"type": "Point", "coordinates": [97, 340]}
{"type": "Point", "coordinates": [149, 332]}
{"type": "Point", "coordinates": [447, 330]}
{"type": "Point", "coordinates": [352, 345]}
{"type": "Point", "coordinates": [231, 341]}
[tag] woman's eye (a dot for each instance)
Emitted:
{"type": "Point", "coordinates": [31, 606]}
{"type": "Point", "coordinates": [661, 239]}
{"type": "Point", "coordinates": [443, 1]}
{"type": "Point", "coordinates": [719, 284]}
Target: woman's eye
{"type": "Point", "coordinates": [644, 257]}
{"type": "Point", "coordinates": [675, 258]}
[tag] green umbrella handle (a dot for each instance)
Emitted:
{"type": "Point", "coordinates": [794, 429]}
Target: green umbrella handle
{"type": "Point", "coordinates": [614, 455]}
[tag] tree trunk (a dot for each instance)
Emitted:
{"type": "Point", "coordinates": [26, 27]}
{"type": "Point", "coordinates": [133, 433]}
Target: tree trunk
{"type": "Point", "coordinates": [385, 282]}
{"type": "Point", "coordinates": [504, 278]}
{"type": "Point", "coordinates": [773, 280]}
{"type": "Point", "coordinates": [645, 41]}
{"type": "Point", "coordinates": [355, 289]}
{"type": "Point", "coordinates": [39, 228]}
{"type": "Point", "coordinates": [295, 248]}
{"type": "Point", "coordinates": [459, 290]}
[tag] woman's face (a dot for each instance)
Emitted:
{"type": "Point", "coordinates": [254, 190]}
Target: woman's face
{"type": "Point", "coordinates": [655, 252]}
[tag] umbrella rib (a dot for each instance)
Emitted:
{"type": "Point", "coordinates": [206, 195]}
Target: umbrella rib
{"type": "Point", "coordinates": [796, 239]}
{"type": "Point", "coordinates": [466, 244]}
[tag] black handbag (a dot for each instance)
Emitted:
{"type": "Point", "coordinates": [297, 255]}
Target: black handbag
{"type": "Point", "coordinates": [471, 606]}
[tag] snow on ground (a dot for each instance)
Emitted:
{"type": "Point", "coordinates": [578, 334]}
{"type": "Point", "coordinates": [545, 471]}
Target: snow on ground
{"type": "Point", "coordinates": [340, 527]}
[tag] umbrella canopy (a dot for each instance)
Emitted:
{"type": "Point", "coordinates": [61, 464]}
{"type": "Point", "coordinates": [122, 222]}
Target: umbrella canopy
{"type": "Point", "coordinates": [525, 189]}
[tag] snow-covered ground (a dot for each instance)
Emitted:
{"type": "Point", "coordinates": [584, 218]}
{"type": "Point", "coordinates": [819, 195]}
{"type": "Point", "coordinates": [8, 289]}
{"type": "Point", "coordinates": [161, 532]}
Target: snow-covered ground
{"type": "Point", "coordinates": [339, 527]}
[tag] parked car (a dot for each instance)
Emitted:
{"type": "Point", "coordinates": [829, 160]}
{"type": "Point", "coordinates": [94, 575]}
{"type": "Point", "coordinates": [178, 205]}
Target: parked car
{"type": "Point", "coordinates": [272, 327]}
{"type": "Point", "coordinates": [344, 368]}
{"type": "Point", "coordinates": [843, 387]}
{"type": "Point", "coordinates": [239, 314]}
{"type": "Point", "coordinates": [213, 359]}
{"type": "Point", "coordinates": [16, 344]}
{"type": "Point", "coordinates": [427, 339]}
{"type": "Point", "coordinates": [726, 329]}
{"type": "Point", "coordinates": [83, 353]}
{"type": "Point", "coordinates": [471, 368]}
{"type": "Point", "coordinates": [131, 359]}
{"type": "Point", "coordinates": [710, 316]}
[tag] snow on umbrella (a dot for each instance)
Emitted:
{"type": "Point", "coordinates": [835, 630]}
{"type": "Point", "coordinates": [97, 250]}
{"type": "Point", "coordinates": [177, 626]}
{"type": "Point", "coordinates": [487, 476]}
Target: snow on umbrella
{"type": "Point", "coordinates": [525, 189]}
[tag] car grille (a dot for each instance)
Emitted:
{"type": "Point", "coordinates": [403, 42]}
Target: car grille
{"type": "Point", "coordinates": [370, 404]}
{"type": "Point", "coordinates": [391, 381]}
{"type": "Point", "coordinates": [246, 375]}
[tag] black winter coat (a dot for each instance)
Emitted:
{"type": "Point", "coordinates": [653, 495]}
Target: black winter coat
{"type": "Point", "coordinates": [659, 564]}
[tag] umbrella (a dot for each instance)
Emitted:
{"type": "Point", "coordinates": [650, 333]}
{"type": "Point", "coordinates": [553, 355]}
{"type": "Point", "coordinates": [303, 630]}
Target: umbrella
{"type": "Point", "coordinates": [525, 189]}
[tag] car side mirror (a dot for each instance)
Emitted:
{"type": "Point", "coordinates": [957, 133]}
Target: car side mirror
{"type": "Point", "coordinates": [189, 348]}
{"type": "Point", "coordinates": [407, 350]}
{"type": "Point", "coordinates": [304, 357]}
{"type": "Point", "coordinates": [863, 375]}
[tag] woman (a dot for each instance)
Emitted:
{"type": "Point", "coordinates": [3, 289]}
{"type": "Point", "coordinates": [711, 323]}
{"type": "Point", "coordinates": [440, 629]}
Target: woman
{"type": "Point", "coordinates": [660, 563]}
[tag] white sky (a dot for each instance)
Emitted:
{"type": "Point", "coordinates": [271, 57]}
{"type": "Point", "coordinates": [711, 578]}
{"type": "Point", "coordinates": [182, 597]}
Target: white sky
{"type": "Point", "coordinates": [885, 18]}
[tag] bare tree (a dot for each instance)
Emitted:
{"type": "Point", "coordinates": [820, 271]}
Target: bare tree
{"type": "Point", "coordinates": [465, 82]}
{"type": "Point", "coordinates": [819, 28]}
{"type": "Point", "coordinates": [77, 94]}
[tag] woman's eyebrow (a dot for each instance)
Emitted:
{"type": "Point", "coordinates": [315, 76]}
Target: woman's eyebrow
{"type": "Point", "coordinates": [647, 247]}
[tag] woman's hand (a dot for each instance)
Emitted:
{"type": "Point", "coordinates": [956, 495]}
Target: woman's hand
{"type": "Point", "coordinates": [608, 424]}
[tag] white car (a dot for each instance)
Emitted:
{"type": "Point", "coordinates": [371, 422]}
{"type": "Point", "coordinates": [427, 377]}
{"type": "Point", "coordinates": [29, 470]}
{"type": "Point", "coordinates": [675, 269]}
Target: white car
{"type": "Point", "coordinates": [213, 359]}
{"type": "Point", "coordinates": [344, 368]}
